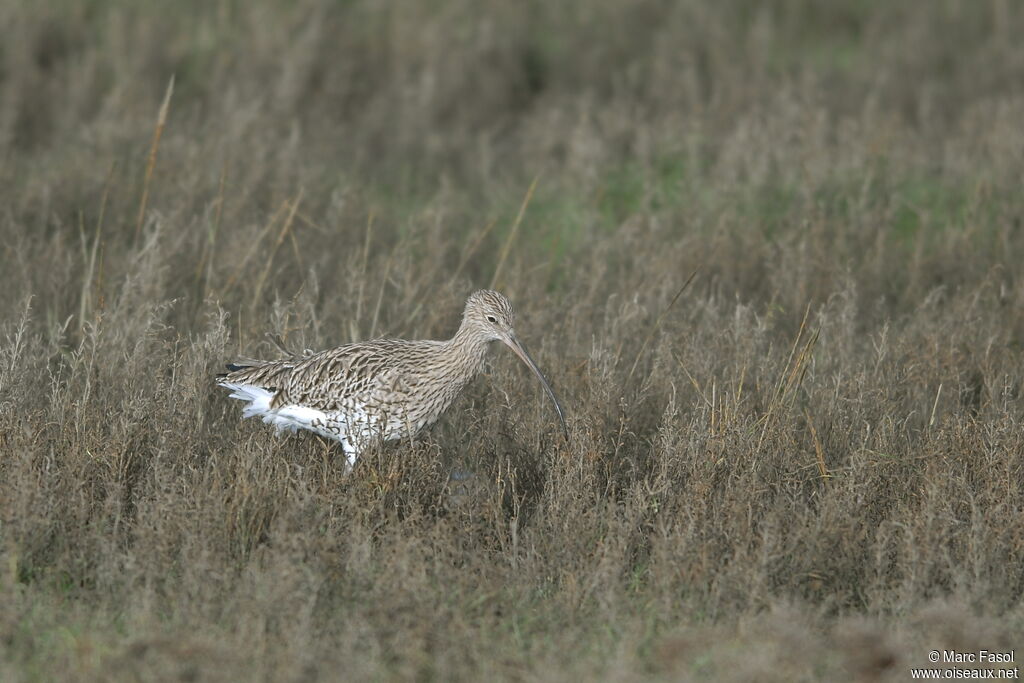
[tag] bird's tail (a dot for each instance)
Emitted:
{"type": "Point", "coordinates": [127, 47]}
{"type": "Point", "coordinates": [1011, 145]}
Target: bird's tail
{"type": "Point", "coordinates": [258, 398]}
{"type": "Point", "coordinates": [239, 365]}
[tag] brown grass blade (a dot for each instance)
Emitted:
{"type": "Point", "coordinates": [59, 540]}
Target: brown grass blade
{"type": "Point", "coordinates": [161, 121]}
{"type": "Point", "coordinates": [657, 323]}
{"type": "Point", "coordinates": [496, 279]}
{"type": "Point", "coordinates": [285, 229]}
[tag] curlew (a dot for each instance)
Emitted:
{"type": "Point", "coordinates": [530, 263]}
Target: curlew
{"type": "Point", "coordinates": [384, 389]}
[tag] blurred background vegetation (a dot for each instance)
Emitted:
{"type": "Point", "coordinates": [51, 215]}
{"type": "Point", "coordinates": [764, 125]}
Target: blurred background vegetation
{"type": "Point", "coordinates": [818, 447]}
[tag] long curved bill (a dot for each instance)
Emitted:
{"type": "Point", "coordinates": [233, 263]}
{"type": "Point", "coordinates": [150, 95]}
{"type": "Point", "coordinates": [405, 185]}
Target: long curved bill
{"type": "Point", "coordinates": [518, 348]}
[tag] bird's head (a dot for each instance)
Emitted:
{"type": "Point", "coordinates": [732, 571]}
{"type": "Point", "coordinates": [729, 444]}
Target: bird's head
{"type": "Point", "coordinates": [490, 316]}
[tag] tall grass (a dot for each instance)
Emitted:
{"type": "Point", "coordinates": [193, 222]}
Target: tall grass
{"type": "Point", "coordinates": [807, 465]}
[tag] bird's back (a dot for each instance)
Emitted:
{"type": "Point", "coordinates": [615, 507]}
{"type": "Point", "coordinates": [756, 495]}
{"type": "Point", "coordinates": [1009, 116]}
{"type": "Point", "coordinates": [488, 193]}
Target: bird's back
{"type": "Point", "coordinates": [331, 379]}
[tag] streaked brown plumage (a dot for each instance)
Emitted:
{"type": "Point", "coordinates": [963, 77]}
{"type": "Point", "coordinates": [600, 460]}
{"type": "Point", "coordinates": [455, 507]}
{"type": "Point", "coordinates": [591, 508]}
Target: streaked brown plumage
{"type": "Point", "coordinates": [381, 389]}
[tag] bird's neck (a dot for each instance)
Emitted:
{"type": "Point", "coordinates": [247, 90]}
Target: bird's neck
{"type": "Point", "coordinates": [466, 351]}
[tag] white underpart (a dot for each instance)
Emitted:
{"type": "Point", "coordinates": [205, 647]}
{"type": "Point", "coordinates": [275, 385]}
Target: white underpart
{"type": "Point", "coordinates": [353, 429]}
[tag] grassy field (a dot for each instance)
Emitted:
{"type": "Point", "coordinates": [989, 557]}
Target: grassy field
{"type": "Point", "coordinates": [808, 466]}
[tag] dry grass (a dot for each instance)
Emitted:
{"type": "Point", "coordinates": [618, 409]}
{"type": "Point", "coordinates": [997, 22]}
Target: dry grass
{"type": "Point", "coordinates": [809, 467]}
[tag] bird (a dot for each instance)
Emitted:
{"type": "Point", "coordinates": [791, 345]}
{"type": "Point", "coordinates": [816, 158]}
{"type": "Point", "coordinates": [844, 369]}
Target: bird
{"type": "Point", "coordinates": [379, 390]}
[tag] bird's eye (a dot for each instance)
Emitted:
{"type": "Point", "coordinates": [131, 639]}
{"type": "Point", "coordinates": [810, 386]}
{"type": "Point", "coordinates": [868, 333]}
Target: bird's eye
{"type": "Point", "coordinates": [491, 319]}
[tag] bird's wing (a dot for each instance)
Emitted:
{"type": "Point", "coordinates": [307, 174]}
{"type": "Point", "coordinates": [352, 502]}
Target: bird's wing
{"type": "Point", "coordinates": [367, 373]}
